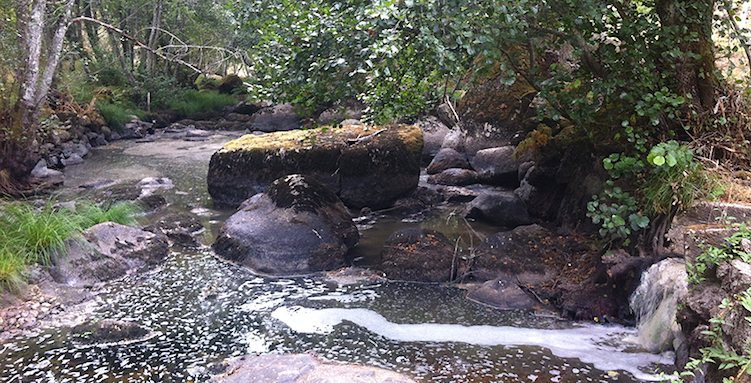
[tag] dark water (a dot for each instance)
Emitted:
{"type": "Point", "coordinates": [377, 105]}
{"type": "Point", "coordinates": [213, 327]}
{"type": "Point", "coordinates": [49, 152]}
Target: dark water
{"type": "Point", "coordinates": [201, 310]}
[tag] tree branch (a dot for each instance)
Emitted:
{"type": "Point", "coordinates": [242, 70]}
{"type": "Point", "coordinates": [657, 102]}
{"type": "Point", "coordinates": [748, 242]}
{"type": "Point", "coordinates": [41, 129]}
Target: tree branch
{"type": "Point", "coordinates": [136, 42]}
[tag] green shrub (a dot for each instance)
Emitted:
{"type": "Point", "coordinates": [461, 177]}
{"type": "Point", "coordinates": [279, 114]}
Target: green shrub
{"type": "Point", "coordinates": [193, 103]}
{"type": "Point", "coordinates": [117, 115]}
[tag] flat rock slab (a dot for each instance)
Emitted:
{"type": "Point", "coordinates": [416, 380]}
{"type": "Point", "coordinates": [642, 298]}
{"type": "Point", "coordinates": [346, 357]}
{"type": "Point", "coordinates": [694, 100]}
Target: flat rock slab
{"type": "Point", "coordinates": [302, 368]}
{"type": "Point", "coordinates": [364, 165]}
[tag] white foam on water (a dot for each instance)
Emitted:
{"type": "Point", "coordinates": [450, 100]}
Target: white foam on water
{"type": "Point", "coordinates": [596, 345]}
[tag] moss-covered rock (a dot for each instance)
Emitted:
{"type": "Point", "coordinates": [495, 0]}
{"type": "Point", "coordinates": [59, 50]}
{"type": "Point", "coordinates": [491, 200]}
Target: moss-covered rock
{"type": "Point", "coordinates": [364, 165]}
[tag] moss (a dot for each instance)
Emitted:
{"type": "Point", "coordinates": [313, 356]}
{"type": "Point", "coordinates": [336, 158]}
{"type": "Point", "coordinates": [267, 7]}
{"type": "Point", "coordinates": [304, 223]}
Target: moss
{"type": "Point", "coordinates": [325, 136]}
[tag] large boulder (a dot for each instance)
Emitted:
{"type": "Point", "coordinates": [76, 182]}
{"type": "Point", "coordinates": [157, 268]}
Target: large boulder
{"type": "Point", "coordinates": [499, 208]}
{"type": "Point", "coordinates": [297, 227]}
{"type": "Point", "coordinates": [420, 255]}
{"type": "Point", "coordinates": [365, 166]}
{"type": "Point", "coordinates": [108, 251]}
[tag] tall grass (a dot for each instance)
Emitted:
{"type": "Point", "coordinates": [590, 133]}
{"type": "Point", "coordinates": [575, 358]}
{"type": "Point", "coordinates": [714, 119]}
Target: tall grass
{"type": "Point", "coordinates": [193, 103]}
{"type": "Point", "coordinates": [117, 115]}
{"type": "Point", "coordinates": [30, 235]}
{"type": "Point", "coordinates": [89, 214]}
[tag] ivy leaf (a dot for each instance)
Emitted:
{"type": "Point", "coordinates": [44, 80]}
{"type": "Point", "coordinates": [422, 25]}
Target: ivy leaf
{"type": "Point", "coordinates": [658, 160]}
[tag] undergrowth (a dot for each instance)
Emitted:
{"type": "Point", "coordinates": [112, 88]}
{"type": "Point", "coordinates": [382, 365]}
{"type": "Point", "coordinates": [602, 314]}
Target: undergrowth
{"type": "Point", "coordinates": [38, 235]}
{"type": "Point", "coordinates": [192, 103]}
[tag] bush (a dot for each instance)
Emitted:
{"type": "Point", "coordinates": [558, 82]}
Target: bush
{"type": "Point", "coordinates": [117, 115]}
{"type": "Point", "coordinates": [194, 103]}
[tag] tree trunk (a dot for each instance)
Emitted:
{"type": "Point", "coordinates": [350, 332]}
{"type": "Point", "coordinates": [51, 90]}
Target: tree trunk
{"type": "Point", "coordinates": [690, 24]}
{"type": "Point", "coordinates": [156, 24]}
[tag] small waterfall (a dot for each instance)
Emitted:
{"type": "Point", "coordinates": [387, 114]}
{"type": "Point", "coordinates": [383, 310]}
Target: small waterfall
{"type": "Point", "coordinates": [655, 304]}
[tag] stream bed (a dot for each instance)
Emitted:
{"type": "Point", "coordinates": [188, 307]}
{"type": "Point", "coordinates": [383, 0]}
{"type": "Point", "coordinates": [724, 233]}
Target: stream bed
{"type": "Point", "coordinates": [200, 310]}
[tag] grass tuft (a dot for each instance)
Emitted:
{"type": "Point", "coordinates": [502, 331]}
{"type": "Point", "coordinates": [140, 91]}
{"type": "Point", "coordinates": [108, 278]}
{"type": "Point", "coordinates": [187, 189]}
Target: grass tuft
{"type": "Point", "coordinates": [89, 214]}
{"type": "Point", "coordinates": [194, 103]}
{"type": "Point", "coordinates": [117, 115]}
{"type": "Point", "coordinates": [30, 235]}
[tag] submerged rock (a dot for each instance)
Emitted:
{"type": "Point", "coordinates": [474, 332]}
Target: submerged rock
{"type": "Point", "coordinates": [297, 227]}
{"type": "Point", "coordinates": [364, 166]}
{"type": "Point", "coordinates": [301, 368]}
{"type": "Point", "coordinates": [108, 331]}
{"type": "Point", "coordinates": [503, 294]}
{"type": "Point", "coordinates": [419, 255]}
{"type": "Point", "coordinates": [108, 251]}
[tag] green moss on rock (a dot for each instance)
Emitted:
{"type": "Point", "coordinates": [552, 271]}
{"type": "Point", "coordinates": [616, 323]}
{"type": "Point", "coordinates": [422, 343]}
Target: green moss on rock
{"type": "Point", "coordinates": [364, 165]}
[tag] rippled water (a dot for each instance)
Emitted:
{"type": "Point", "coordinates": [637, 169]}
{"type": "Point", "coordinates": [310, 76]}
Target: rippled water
{"type": "Point", "coordinates": [201, 310]}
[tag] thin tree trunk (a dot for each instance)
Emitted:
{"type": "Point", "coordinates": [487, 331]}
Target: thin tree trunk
{"type": "Point", "coordinates": [156, 24]}
{"type": "Point", "coordinates": [55, 51]}
{"type": "Point", "coordinates": [33, 50]}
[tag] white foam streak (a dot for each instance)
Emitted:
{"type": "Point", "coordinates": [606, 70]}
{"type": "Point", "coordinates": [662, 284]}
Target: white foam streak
{"type": "Point", "coordinates": [590, 344]}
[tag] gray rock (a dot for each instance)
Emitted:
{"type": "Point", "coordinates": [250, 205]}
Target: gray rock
{"type": "Point", "coordinates": [447, 158]}
{"type": "Point", "coordinates": [74, 159]}
{"type": "Point", "coordinates": [454, 139]}
{"type": "Point", "coordinates": [433, 133]}
{"type": "Point", "coordinates": [499, 208]}
{"type": "Point", "coordinates": [41, 171]}
{"type": "Point", "coordinates": [108, 251]}
{"type": "Point", "coordinates": [497, 166]}
{"type": "Point", "coordinates": [503, 294]}
{"type": "Point", "coordinates": [454, 177]}
{"type": "Point", "coordinates": [275, 119]}
{"type": "Point", "coordinates": [301, 368]}
{"type": "Point", "coordinates": [149, 185]}
{"type": "Point", "coordinates": [297, 227]}
{"type": "Point", "coordinates": [338, 114]}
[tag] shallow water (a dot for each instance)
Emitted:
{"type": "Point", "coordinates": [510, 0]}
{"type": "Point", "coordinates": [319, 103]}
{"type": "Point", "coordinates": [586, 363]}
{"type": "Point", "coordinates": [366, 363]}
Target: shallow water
{"type": "Point", "coordinates": [202, 310]}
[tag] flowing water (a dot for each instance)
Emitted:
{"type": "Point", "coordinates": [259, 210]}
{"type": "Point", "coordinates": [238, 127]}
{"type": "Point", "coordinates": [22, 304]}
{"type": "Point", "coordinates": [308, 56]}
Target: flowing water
{"type": "Point", "coordinates": [201, 310]}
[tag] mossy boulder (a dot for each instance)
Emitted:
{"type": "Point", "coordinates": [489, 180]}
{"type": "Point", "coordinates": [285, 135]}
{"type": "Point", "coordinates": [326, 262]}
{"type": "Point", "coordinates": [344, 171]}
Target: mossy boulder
{"type": "Point", "coordinates": [297, 227]}
{"type": "Point", "coordinates": [364, 165]}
